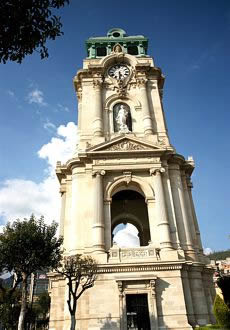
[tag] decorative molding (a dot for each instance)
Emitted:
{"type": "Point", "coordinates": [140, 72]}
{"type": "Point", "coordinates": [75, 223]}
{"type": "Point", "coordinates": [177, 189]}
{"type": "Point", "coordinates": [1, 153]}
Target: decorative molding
{"type": "Point", "coordinates": [101, 172]}
{"type": "Point", "coordinates": [127, 177]}
{"type": "Point", "coordinates": [141, 82]}
{"type": "Point", "coordinates": [126, 145]}
{"type": "Point", "coordinates": [162, 142]}
{"type": "Point", "coordinates": [154, 171]}
{"type": "Point", "coordinates": [137, 268]}
{"type": "Point", "coordinates": [152, 284]}
{"type": "Point", "coordinates": [97, 83]}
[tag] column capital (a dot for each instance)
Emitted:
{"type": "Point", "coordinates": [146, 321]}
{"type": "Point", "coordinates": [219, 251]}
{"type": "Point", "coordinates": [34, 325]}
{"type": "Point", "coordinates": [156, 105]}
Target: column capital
{"type": "Point", "coordinates": [98, 173]}
{"type": "Point", "coordinates": [120, 288]}
{"type": "Point", "coordinates": [97, 83]}
{"type": "Point", "coordinates": [189, 182]}
{"type": "Point", "coordinates": [155, 171]}
{"type": "Point", "coordinates": [141, 82]}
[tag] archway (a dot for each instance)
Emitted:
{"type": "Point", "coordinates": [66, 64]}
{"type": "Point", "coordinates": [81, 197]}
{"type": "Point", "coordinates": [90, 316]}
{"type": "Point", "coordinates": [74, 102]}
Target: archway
{"type": "Point", "coordinates": [129, 216]}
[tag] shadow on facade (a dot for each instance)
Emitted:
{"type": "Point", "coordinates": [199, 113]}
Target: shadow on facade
{"type": "Point", "coordinates": [109, 324]}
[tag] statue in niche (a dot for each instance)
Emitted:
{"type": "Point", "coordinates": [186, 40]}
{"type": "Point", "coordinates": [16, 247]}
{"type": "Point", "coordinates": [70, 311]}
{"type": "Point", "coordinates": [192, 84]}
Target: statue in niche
{"type": "Point", "coordinates": [117, 48]}
{"type": "Point", "coordinates": [122, 118]}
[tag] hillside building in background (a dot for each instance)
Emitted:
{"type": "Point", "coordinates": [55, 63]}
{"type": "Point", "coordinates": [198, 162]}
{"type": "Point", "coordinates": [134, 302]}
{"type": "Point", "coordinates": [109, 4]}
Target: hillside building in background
{"type": "Point", "coordinates": [126, 177]}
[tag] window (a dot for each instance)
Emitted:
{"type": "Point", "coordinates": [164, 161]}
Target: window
{"type": "Point", "coordinates": [101, 51]}
{"type": "Point", "coordinates": [133, 50]}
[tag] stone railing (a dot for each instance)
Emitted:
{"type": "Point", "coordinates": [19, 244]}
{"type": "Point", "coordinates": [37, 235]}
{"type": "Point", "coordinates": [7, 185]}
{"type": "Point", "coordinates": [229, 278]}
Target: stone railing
{"type": "Point", "coordinates": [134, 254]}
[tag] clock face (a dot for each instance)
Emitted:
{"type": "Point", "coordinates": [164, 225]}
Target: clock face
{"type": "Point", "coordinates": [119, 71]}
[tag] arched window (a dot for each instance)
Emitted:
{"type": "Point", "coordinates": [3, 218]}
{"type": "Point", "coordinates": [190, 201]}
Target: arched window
{"type": "Point", "coordinates": [129, 216]}
{"type": "Point", "coordinates": [122, 120]}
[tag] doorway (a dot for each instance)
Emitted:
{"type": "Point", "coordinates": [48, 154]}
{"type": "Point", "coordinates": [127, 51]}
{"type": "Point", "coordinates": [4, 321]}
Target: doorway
{"type": "Point", "coordinates": [137, 312]}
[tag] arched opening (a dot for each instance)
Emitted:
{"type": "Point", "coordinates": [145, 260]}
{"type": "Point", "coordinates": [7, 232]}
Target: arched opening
{"type": "Point", "coordinates": [129, 216]}
{"type": "Point", "coordinates": [122, 120]}
{"type": "Point", "coordinates": [126, 235]}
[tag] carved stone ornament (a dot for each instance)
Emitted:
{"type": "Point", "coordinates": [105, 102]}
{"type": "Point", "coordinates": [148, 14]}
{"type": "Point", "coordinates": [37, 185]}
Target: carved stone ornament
{"type": "Point", "coordinates": [126, 145]}
{"type": "Point", "coordinates": [97, 83]}
{"type": "Point", "coordinates": [117, 48]}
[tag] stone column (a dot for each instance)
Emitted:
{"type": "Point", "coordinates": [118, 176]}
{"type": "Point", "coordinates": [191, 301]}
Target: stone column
{"type": "Point", "coordinates": [160, 121]}
{"type": "Point", "coordinates": [147, 121]}
{"type": "Point", "coordinates": [153, 303]}
{"type": "Point", "coordinates": [152, 220]}
{"type": "Point", "coordinates": [62, 216]}
{"type": "Point", "coordinates": [108, 234]}
{"type": "Point", "coordinates": [207, 289]}
{"type": "Point", "coordinates": [199, 243]}
{"type": "Point", "coordinates": [188, 298]}
{"type": "Point", "coordinates": [97, 103]}
{"type": "Point", "coordinates": [122, 307]}
{"type": "Point", "coordinates": [98, 223]}
{"type": "Point", "coordinates": [189, 211]}
{"type": "Point", "coordinates": [198, 297]}
{"type": "Point", "coordinates": [170, 206]}
{"type": "Point", "coordinates": [180, 207]}
{"type": "Point", "coordinates": [161, 211]}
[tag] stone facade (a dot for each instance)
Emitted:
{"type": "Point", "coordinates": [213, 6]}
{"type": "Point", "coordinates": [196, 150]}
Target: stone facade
{"type": "Point", "coordinates": [121, 155]}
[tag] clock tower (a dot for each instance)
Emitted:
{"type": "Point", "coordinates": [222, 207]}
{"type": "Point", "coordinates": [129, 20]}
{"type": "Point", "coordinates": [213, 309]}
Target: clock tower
{"type": "Point", "coordinates": [127, 201]}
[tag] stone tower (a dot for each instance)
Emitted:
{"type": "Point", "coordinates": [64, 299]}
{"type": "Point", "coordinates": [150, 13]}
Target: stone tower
{"type": "Point", "coordinates": [126, 174]}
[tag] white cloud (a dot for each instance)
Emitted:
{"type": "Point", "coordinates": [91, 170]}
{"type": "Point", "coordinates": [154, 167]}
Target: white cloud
{"type": "Point", "coordinates": [63, 107]}
{"type": "Point", "coordinates": [60, 148]}
{"type": "Point", "coordinates": [207, 251]}
{"type": "Point", "coordinates": [49, 126]}
{"type": "Point", "coordinates": [11, 93]}
{"type": "Point", "coordinates": [20, 198]}
{"type": "Point", "coordinates": [127, 236]}
{"type": "Point", "coordinates": [36, 96]}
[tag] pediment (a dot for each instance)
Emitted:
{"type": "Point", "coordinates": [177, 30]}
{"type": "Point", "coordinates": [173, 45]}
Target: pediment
{"type": "Point", "coordinates": [124, 144]}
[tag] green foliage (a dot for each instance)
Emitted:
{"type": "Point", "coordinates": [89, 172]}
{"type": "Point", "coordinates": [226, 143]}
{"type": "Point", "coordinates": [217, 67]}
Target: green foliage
{"type": "Point", "coordinates": [221, 312]}
{"type": "Point", "coordinates": [9, 308]}
{"type": "Point", "coordinates": [25, 26]}
{"type": "Point", "coordinates": [223, 283]}
{"type": "Point", "coordinates": [29, 245]}
{"type": "Point", "coordinates": [219, 255]}
{"type": "Point", "coordinates": [42, 305]}
{"type": "Point", "coordinates": [209, 327]}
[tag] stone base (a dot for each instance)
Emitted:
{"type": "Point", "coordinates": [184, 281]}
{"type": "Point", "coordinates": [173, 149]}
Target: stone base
{"type": "Point", "coordinates": [173, 291]}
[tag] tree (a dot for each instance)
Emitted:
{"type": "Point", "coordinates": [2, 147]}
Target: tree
{"type": "Point", "coordinates": [9, 307]}
{"type": "Point", "coordinates": [221, 312]}
{"type": "Point", "coordinates": [80, 273]}
{"type": "Point", "coordinates": [27, 246]}
{"type": "Point", "coordinates": [223, 283]}
{"type": "Point", "coordinates": [26, 25]}
{"type": "Point", "coordinates": [42, 307]}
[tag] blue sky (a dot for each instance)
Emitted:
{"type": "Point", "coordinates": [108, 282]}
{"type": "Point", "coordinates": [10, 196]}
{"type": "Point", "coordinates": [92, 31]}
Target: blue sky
{"type": "Point", "coordinates": [189, 40]}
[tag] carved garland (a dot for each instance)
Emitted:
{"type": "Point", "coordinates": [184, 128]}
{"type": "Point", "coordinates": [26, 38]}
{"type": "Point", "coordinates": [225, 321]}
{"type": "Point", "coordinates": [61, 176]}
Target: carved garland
{"type": "Point", "coordinates": [126, 145]}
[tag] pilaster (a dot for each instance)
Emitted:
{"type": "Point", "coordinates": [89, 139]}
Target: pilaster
{"type": "Point", "coordinates": [97, 104]}
{"type": "Point", "coordinates": [199, 243]}
{"type": "Point", "coordinates": [180, 210]}
{"type": "Point", "coordinates": [161, 211]}
{"type": "Point", "coordinates": [147, 121]}
{"type": "Point", "coordinates": [98, 228]}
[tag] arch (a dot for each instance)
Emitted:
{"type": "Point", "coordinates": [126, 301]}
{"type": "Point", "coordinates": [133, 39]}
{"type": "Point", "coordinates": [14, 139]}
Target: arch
{"type": "Point", "coordinates": [115, 58]}
{"type": "Point", "coordinates": [129, 182]}
{"type": "Point", "coordinates": [131, 218]}
{"type": "Point", "coordinates": [122, 119]}
{"type": "Point", "coordinates": [112, 33]}
{"type": "Point", "coordinates": [113, 99]}
{"type": "Point", "coordinates": [129, 207]}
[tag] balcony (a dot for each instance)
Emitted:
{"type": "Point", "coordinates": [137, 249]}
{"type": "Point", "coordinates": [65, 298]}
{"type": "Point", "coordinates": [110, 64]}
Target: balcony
{"type": "Point", "coordinates": [134, 254]}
